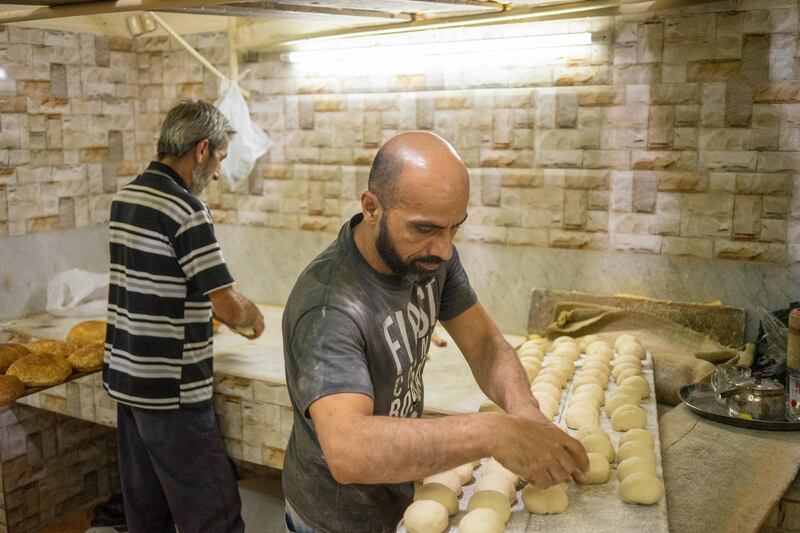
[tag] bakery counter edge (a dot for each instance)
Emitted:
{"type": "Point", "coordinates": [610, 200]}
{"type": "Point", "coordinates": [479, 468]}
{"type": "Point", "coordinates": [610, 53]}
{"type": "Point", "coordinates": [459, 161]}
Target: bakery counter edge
{"type": "Point", "coordinates": [250, 394]}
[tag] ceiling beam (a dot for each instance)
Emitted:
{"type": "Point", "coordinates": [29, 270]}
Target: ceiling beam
{"type": "Point", "coordinates": [263, 9]}
{"type": "Point", "coordinates": [98, 8]}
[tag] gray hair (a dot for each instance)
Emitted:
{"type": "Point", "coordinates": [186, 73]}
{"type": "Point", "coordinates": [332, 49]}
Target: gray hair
{"type": "Point", "coordinates": [189, 122]}
{"type": "Point", "coordinates": [386, 167]}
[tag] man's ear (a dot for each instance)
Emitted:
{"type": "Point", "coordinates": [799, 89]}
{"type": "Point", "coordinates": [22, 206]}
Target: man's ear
{"type": "Point", "coordinates": [201, 150]}
{"type": "Point", "coordinates": [371, 207]}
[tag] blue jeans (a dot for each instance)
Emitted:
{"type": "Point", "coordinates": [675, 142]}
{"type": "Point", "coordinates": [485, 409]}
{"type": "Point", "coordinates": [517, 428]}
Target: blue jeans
{"type": "Point", "coordinates": [295, 524]}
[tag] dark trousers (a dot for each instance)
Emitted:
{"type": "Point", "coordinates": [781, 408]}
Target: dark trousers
{"type": "Point", "coordinates": [175, 472]}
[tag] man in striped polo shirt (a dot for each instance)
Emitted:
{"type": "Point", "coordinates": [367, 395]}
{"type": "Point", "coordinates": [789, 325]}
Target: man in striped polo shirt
{"type": "Point", "coordinates": [167, 277]}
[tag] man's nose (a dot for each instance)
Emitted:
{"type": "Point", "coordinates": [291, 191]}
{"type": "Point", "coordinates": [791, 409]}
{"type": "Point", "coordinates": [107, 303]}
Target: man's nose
{"type": "Point", "coordinates": [442, 247]}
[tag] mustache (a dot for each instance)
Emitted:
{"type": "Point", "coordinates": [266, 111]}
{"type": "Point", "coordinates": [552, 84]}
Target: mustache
{"type": "Point", "coordinates": [428, 259]}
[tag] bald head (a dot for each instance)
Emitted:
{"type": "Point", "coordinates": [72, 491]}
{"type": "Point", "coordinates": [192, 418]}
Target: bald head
{"type": "Point", "coordinates": [410, 159]}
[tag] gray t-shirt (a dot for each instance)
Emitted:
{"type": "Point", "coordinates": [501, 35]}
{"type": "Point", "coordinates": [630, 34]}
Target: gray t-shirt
{"type": "Point", "coordinates": [348, 328]}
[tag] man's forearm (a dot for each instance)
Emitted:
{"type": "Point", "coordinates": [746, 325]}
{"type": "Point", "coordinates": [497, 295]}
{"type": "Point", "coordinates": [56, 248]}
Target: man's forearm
{"type": "Point", "coordinates": [502, 378]}
{"type": "Point", "coordinates": [382, 449]}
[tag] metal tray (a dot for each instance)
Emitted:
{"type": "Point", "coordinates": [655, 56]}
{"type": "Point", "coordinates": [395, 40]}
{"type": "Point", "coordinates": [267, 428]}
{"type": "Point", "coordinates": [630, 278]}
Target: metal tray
{"type": "Point", "coordinates": [701, 399]}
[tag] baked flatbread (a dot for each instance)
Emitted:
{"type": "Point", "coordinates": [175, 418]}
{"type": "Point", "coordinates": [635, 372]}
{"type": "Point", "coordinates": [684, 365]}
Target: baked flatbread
{"type": "Point", "coordinates": [10, 353]}
{"type": "Point", "coordinates": [51, 346]}
{"type": "Point", "coordinates": [87, 332]}
{"type": "Point", "coordinates": [88, 357]}
{"type": "Point", "coordinates": [40, 369]}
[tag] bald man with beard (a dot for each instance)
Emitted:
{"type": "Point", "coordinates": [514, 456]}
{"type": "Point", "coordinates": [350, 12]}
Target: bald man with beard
{"type": "Point", "coordinates": [356, 331]}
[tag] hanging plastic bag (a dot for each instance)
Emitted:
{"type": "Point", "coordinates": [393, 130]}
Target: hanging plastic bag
{"type": "Point", "coordinates": [77, 293]}
{"type": "Point", "coordinates": [250, 141]}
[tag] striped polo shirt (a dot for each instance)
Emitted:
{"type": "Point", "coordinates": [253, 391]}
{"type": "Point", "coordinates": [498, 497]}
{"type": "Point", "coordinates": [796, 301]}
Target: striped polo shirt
{"type": "Point", "coordinates": [165, 260]}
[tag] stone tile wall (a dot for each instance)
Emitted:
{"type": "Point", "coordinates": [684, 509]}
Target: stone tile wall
{"type": "Point", "coordinates": [681, 137]}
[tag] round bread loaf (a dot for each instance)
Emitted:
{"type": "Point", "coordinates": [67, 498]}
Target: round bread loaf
{"type": "Point", "coordinates": [51, 346]}
{"type": "Point", "coordinates": [40, 369]}
{"type": "Point", "coordinates": [88, 332]}
{"type": "Point", "coordinates": [10, 353]}
{"type": "Point", "coordinates": [88, 357]}
{"type": "Point", "coordinates": [11, 388]}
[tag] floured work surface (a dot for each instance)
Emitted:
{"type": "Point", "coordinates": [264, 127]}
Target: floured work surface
{"type": "Point", "coordinates": [595, 508]}
{"type": "Point", "coordinates": [723, 324]}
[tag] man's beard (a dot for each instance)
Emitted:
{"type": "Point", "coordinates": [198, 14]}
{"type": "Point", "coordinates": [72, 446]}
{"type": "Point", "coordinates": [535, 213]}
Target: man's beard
{"type": "Point", "coordinates": [410, 272]}
{"type": "Point", "coordinates": [201, 177]}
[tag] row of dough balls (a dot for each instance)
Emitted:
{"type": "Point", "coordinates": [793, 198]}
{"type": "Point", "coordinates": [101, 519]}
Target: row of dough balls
{"type": "Point", "coordinates": [635, 458]}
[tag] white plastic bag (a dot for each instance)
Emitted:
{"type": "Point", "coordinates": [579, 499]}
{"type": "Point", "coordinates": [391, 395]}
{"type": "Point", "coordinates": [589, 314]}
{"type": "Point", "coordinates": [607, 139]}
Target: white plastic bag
{"type": "Point", "coordinates": [250, 141]}
{"type": "Point", "coordinates": [77, 293]}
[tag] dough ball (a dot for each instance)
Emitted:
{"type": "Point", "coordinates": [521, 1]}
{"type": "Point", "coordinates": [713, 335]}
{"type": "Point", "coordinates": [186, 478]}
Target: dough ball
{"type": "Point", "coordinates": [632, 348]}
{"type": "Point", "coordinates": [426, 516]}
{"type": "Point", "coordinates": [599, 469]}
{"type": "Point", "coordinates": [548, 405]}
{"type": "Point", "coordinates": [493, 466]}
{"type": "Point", "coordinates": [617, 400]}
{"type": "Point", "coordinates": [600, 348]}
{"type": "Point", "coordinates": [590, 388]}
{"type": "Point", "coordinates": [448, 478]}
{"type": "Point", "coordinates": [562, 364]}
{"type": "Point", "coordinates": [547, 388]}
{"type": "Point", "coordinates": [628, 390]}
{"type": "Point", "coordinates": [438, 493]}
{"type": "Point", "coordinates": [549, 378]}
{"type": "Point", "coordinates": [532, 361]}
{"type": "Point", "coordinates": [582, 415]}
{"type": "Point", "coordinates": [481, 520]}
{"type": "Point", "coordinates": [628, 417]}
{"type": "Point", "coordinates": [626, 373]}
{"type": "Point", "coordinates": [536, 353]}
{"type": "Point", "coordinates": [497, 482]}
{"type": "Point", "coordinates": [637, 434]}
{"type": "Point", "coordinates": [585, 398]}
{"type": "Point", "coordinates": [490, 499]}
{"type": "Point", "coordinates": [596, 362]}
{"type": "Point", "coordinates": [585, 431]}
{"type": "Point", "coordinates": [545, 501]}
{"type": "Point", "coordinates": [642, 488]}
{"type": "Point", "coordinates": [552, 371]}
{"type": "Point", "coordinates": [532, 344]}
{"type": "Point", "coordinates": [624, 339]}
{"type": "Point", "coordinates": [634, 448]}
{"type": "Point", "coordinates": [568, 351]}
{"type": "Point", "coordinates": [617, 370]}
{"type": "Point", "coordinates": [464, 473]}
{"type": "Point", "coordinates": [530, 371]}
{"type": "Point", "coordinates": [640, 383]}
{"type": "Point", "coordinates": [632, 359]}
{"type": "Point", "coordinates": [635, 464]}
{"type": "Point", "coordinates": [586, 341]}
{"type": "Point", "coordinates": [586, 377]}
{"type": "Point", "coordinates": [561, 340]}
{"type": "Point", "coordinates": [599, 444]}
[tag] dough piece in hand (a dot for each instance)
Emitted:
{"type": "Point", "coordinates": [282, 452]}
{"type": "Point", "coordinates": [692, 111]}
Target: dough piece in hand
{"type": "Point", "coordinates": [426, 516]}
{"type": "Point", "coordinates": [545, 501]}
{"type": "Point", "coordinates": [632, 348]}
{"type": "Point", "coordinates": [637, 434]}
{"type": "Point", "coordinates": [464, 472]}
{"type": "Point", "coordinates": [618, 400]}
{"type": "Point", "coordinates": [642, 488]}
{"type": "Point", "coordinates": [493, 466]}
{"type": "Point", "coordinates": [628, 417]}
{"type": "Point", "coordinates": [481, 520]}
{"type": "Point", "coordinates": [585, 431]}
{"type": "Point", "coordinates": [596, 443]}
{"type": "Point", "coordinates": [497, 482]}
{"type": "Point", "coordinates": [635, 448]}
{"type": "Point", "coordinates": [448, 478]}
{"type": "Point", "coordinates": [438, 493]}
{"type": "Point", "coordinates": [599, 469]}
{"type": "Point", "coordinates": [635, 464]}
{"type": "Point", "coordinates": [582, 415]}
{"type": "Point", "coordinates": [640, 383]}
{"type": "Point", "coordinates": [624, 339]}
{"type": "Point", "coordinates": [491, 499]}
